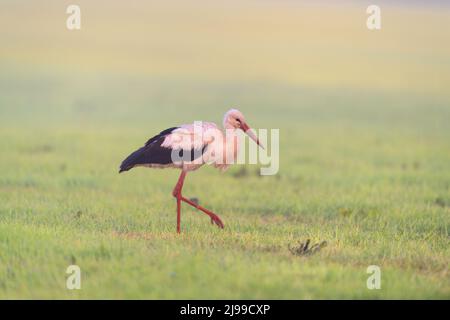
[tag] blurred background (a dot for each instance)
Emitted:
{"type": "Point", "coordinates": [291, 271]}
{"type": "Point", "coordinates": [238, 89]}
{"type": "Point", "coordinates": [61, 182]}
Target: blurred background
{"type": "Point", "coordinates": [311, 68]}
{"type": "Point", "coordinates": [284, 61]}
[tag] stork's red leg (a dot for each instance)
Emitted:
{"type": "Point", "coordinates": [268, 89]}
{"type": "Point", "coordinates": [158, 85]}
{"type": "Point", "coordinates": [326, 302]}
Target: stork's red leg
{"type": "Point", "coordinates": [213, 216]}
{"type": "Point", "coordinates": [179, 185]}
{"type": "Point", "coordinates": [178, 213]}
{"type": "Point", "coordinates": [177, 193]}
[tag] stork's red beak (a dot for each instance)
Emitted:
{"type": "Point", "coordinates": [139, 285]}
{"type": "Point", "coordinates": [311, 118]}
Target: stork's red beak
{"type": "Point", "coordinates": [250, 133]}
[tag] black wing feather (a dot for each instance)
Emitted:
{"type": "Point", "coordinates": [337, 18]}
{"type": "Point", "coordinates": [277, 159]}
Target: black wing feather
{"type": "Point", "coordinates": [153, 153]}
{"type": "Point", "coordinates": [163, 133]}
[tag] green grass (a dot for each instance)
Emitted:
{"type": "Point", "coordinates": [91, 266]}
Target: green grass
{"type": "Point", "coordinates": [377, 190]}
{"type": "Point", "coordinates": [365, 168]}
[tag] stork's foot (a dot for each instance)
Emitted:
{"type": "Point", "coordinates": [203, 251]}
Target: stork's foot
{"type": "Point", "coordinates": [216, 220]}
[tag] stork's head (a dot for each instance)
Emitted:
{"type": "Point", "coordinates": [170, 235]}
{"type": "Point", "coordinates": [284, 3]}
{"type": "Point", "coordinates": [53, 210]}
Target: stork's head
{"type": "Point", "coordinates": [234, 119]}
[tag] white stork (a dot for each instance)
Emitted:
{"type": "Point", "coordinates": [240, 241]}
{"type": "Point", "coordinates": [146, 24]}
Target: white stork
{"type": "Point", "coordinates": [190, 146]}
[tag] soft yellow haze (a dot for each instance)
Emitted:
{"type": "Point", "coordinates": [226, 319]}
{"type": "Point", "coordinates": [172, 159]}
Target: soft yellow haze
{"type": "Point", "coordinates": [289, 42]}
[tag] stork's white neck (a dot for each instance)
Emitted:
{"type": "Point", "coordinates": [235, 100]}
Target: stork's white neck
{"type": "Point", "coordinates": [228, 126]}
{"type": "Point", "coordinates": [232, 144]}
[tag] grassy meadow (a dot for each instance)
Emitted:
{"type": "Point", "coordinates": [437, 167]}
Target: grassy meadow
{"type": "Point", "coordinates": [364, 150]}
